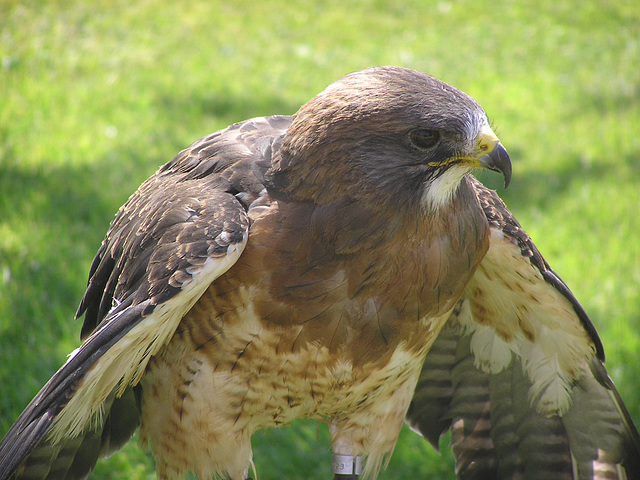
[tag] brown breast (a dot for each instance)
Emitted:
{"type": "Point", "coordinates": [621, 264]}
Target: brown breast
{"type": "Point", "coordinates": [354, 281]}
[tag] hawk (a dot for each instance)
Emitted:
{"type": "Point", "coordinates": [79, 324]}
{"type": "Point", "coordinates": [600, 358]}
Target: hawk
{"type": "Point", "coordinates": [341, 264]}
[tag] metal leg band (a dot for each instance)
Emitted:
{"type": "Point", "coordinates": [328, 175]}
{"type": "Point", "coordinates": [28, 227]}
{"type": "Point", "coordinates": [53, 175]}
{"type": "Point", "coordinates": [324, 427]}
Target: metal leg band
{"type": "Point", "coordinates": [346, 464]}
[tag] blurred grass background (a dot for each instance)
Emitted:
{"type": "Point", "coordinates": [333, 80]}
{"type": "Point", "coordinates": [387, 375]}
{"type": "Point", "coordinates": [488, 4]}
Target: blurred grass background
{"type": "Point", "coordinates": [95, 95]}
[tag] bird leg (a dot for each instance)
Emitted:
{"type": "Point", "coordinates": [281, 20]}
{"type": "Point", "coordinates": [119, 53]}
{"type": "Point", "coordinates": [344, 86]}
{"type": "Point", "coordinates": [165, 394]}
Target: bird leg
{"type": "Point", "coordinates": [346, 467]}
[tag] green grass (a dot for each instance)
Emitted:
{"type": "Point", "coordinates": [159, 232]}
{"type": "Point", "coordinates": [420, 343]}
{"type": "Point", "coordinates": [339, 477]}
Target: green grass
{"type": "Point", "coordinates": [94, 96]}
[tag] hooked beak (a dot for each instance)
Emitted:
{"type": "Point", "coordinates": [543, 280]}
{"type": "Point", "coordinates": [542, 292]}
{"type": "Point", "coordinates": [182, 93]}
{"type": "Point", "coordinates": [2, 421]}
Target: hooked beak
{"type": "Point", "coordinates": [498, 160]}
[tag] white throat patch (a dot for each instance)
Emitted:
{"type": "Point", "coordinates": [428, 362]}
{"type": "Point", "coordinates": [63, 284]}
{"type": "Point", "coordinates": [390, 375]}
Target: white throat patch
{"type": "Point", "coordinates": [440, 191]}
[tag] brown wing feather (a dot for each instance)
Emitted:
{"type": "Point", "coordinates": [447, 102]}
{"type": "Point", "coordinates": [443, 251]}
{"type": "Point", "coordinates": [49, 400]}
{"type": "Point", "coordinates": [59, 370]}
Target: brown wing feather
{"type": "Point", "coordinates": [184, 227]}
{"type": "Point", "coordinates": [478, 383]}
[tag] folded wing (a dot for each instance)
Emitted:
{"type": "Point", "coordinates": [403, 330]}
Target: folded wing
{"type": "Point", "coordinates": [518, 374]}
{"type": "Point", "coordinates": [184, 227]}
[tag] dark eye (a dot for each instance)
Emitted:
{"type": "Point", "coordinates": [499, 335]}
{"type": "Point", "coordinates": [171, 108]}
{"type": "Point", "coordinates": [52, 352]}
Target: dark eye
{"type": "Point", "coordinates": [424, 138]}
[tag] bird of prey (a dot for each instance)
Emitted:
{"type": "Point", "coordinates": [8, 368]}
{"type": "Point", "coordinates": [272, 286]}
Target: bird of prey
{"type": "Point", "coordinates": [344, 265]}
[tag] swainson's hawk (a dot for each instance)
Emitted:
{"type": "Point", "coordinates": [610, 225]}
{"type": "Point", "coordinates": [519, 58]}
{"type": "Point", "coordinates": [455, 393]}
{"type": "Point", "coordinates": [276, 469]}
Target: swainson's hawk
{"type": "Point", "coordinates": [341, 264]}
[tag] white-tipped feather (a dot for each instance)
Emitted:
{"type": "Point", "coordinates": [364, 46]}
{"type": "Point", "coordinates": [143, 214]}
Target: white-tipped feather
{"type": "Point", "coordinates": [492, 354]}
{"type": "Point", "coordinates": [551, 388]}
{"type": "Point", "coordinates": [125, 362]}
{"type": "Point", "coordinates": [540, 327]}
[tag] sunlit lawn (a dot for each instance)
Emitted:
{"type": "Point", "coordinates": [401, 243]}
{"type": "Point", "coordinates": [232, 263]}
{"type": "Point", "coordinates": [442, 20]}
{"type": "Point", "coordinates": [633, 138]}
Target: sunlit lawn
{"type": "Point", "coordinates": [94, 96]}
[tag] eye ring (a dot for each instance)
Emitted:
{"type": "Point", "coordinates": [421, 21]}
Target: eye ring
{"type": "Point", "coordinates": [424, 138]}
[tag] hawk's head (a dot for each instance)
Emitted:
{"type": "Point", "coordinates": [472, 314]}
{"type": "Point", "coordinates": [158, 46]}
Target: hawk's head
{"type": "Point", "coordinates": [387, 134]}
